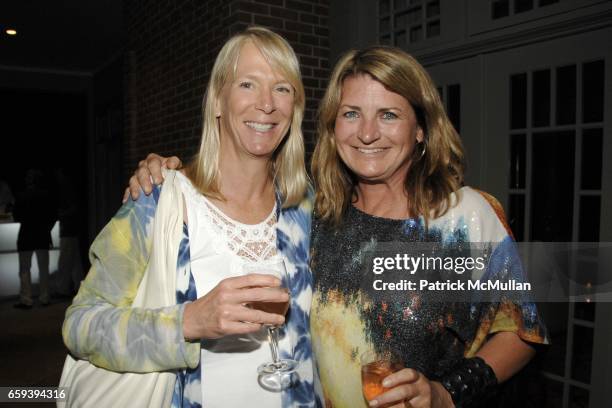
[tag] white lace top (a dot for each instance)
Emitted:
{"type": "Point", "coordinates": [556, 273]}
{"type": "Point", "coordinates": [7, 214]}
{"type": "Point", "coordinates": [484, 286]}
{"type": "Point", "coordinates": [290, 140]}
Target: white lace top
{"type": "Point", "coordinates": [254, 243]}
{"type": "Point", "coordinates": [219, 246]}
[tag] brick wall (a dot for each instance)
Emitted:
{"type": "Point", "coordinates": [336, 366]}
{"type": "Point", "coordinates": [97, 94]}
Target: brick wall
{"type": "Point", "coordinates": [171, 47]}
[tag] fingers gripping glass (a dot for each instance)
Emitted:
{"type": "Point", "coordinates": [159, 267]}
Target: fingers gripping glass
{"type": "Point", "coordinates": [375, 367]}
{"type": "Point", "coordinates": [274, 375]}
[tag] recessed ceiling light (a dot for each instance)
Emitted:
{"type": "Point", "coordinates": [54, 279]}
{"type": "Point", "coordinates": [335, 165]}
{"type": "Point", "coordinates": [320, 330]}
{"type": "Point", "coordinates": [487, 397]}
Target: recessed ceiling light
{"type": "Point", "coordinates": [10, 31]}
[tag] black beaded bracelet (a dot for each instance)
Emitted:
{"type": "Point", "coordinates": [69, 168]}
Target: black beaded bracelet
{"type": "Point", "coordinates": [472, 380]}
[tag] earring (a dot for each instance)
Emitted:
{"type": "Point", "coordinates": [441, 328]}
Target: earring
{"type": "Point", "coordinates": [424, 150]}
{"type": "Point", "coordinates": [217, 115]}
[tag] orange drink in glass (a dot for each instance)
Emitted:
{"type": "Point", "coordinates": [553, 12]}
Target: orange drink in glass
{"type": "Point", "coordinates": [375, 367]}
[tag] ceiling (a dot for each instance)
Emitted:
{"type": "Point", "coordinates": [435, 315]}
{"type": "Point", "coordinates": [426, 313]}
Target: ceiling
{"type": "Point", "coordinates": [78, 36]}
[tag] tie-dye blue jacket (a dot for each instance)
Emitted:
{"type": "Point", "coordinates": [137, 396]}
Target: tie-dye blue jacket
{"type": "Point", "coordinates": [102, 327]}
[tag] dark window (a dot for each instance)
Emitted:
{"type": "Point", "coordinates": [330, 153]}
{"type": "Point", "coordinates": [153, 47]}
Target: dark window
{"type": "Point", "coordinates": [521, 6]}
{"type": "Point", "coordinates": [584, 311]}
{"type": "Point", "coordinates": [555, 315]}
{"type": "Point", "coordinates": [516, 216]}
{"type": "Point", "coordinates": [592, 152]}
{"type": "Point", "coordinates": [552, 186]}
{"type": "Point", "coordinates": [414, 15]}
{"type": "Point", "coordinates": [593, 91]}
{"type": "Point", "coordinates": [500, 8]}
{"type": "Point", "coordinates": [433, 9]}
{"type": "Point", "coordinates": [583, 353]}
{"type": "Point", "coordinates": [590, 207]}
{"type": "Point", "coordinates": [401, 20]}
{"type": "Point", "coordinates": [433, 29]}
{"type": "Point", "coordinates": [400, 4]}
{"type": "Point", "coordinates": [547, 2]}
{"type": "Point", "coordinates": [416, 34]}
{"type": "Point", "coordinates": [384, 6]}
{"type": "Point", "coordinates": [400, 39]}
{"type": "Point", "coordinates": [454, 105]}
{"type": "Point", "coordinates": [518, 151]}
{"type": "Point", "coordinates": [541, 98]}
{"type": "Point", "coordinates": [566, 95]}
{"type": "Point", "coordinates": [385, 24]}
{"type": "Point", "coordinates": [579, 397]}
{"type": "Point", "coordinates": [518, 104]}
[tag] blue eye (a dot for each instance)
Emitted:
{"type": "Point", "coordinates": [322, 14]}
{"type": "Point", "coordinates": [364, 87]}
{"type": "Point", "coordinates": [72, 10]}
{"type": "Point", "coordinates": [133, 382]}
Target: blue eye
{"type": "Point", "coordinates": [283, 89]}
{"type": "Point", "coordinates": [389, 115]}
{"type": "Point", "coordinates": [350, 115]}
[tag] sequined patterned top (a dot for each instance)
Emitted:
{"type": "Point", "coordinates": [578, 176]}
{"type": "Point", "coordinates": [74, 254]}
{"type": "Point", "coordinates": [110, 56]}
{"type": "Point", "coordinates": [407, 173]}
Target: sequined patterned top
{"type": "Point", "coordinates": [429, 336]}
{"type": "Point", "coordinates": [100, 325]}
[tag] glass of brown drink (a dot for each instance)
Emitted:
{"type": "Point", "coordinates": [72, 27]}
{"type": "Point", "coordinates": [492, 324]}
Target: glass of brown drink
{"type": "Point", "coordinates": [274, 375]}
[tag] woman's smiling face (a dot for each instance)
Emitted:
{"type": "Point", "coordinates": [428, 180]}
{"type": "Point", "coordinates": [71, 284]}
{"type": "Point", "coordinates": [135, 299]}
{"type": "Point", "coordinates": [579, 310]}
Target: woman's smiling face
{"type": "Point", "coordinates": [375, 131]}
{"type": "Point", "coordinates": [255, 109]}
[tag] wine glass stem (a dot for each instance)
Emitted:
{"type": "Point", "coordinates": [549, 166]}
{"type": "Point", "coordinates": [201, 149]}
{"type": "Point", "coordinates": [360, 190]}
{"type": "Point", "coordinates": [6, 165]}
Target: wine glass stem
{"type": "Point", "coordinates": [273, 337]}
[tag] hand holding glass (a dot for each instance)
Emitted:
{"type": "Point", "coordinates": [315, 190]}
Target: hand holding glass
{"type": "Point", "coordinates": [274, 375]}
{"type": "Point", "coordinates": [375, 367]}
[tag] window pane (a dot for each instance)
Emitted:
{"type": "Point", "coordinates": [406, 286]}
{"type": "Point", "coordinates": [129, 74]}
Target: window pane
{"type": "Point", "coordinates": [547, 2]}
{"type": "Point", "coordinates": [500, 8]}
{"type": "Point", "coordinates": [592, 152]}
{"type": "Point", "coordinates": [552, 394]}
{"type": "Point", "coordinates": [433, 8]}
{"type": "Point", "coordinates": [454, 106]}
{"type": "Point", "coordinates": [441, 93]}
{"type": "Point", "coordinates": [400, 4]}
{"type": "Point", "coordinates": [416, 34]}
{"type": "Point", "coordinates": [541, 98]}
{"type": "Point", "coordinates": [385, 40]}
{"type": "Point", "coordinates": [385, 24]}
{"type": "Point", "coordinates": [593, 91]}
{"type": "Point", "coordinates": [518, 103]}
{"type": "Point", "coordinates": [433, 29]}
{"type": "Point", "coordinates": [582, 353]}
{"type": "Point", "coordinates": [518, 160]}
{"type": "Point", "coordinates": [522, 5]}
{"type": "Point", "coordinates": [401, 20]}
{"type": "Point", "coordinates": [579, 397]}
{"type": "Point", "coordinates": [584, 311]}
{"type": "Point", "coordinates": [553, 357]}
{"type": "Point", "coordinates": [586, 277]}
{"type": "Point", "coordinates": [414, 15]}
{"type": "Point", "coordinates": [566, 95]}
{"type": "Point", "coordinates": [552, 182]}
{"type": "Point", "coordinates": [589, 219]}
{"type": "Point", "coordinates": [516, 216]}
{"type": "Point", "coordinates": [400, 39]}
{"type": "Point", "coordinates": [384, 6]}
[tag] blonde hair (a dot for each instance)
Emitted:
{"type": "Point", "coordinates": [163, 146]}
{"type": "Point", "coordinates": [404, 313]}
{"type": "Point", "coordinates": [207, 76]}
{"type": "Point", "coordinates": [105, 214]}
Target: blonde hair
{"type": "Point", "coordinates": [437, 164]}
{"type": "Point", "coordinates": [287, 167]}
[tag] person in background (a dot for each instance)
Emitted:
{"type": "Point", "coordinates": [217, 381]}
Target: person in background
{"type": "Point", "coordinates": [388, 167]}
{"type": "Point", "coordinates": [245, 200]}
{"type": "Point", "coordinates": [36, 211]}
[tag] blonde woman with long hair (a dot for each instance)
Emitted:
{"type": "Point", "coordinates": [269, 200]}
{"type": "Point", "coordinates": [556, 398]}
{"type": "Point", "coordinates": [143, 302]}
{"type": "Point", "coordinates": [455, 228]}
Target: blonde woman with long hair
{"type": "Point", "coordinates": [245, 201]}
